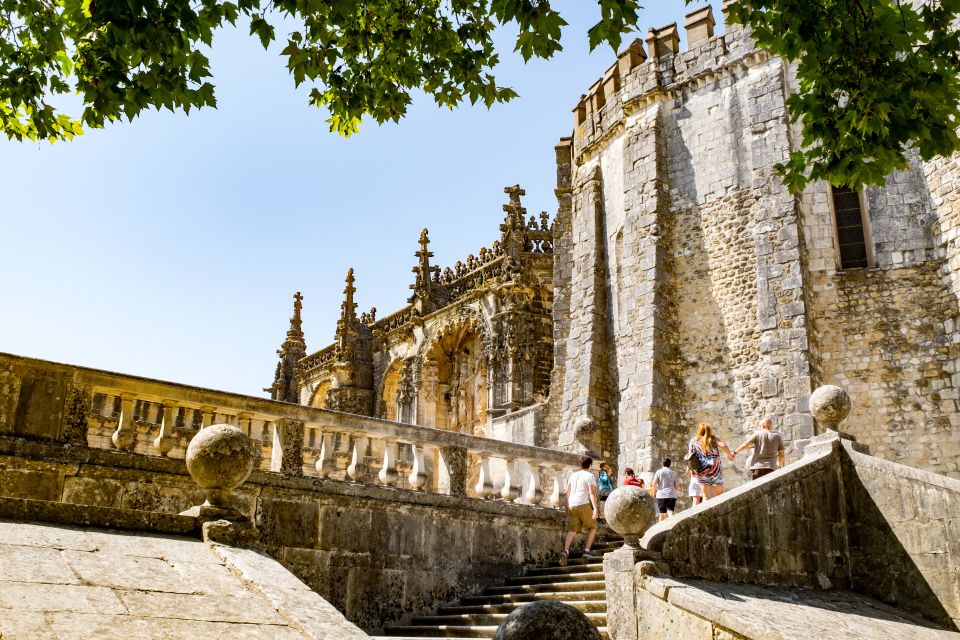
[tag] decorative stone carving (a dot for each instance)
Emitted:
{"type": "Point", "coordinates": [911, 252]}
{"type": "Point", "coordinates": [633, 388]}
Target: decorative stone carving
{"type": "Point", "coordinates": [584, 429]}
{"type": "Point", "coordinates": [547, 620]}
{"type": "Point", "coordinates": [452, 474]}
{"type": "Point", "coordinates": [219, 459]}
{"type": "Point", "coordinates": [288, 447]}
{"type": "Point", "coordinates": [489, 376]}
{"type": "Point", "coordinates": [293, 349]}
{"type": "Point", "coordinates": [829, 404]}
{"type": "Point", "coordinates": [75, 420]}
{"type": "Point", "coordinates": [629, 511]}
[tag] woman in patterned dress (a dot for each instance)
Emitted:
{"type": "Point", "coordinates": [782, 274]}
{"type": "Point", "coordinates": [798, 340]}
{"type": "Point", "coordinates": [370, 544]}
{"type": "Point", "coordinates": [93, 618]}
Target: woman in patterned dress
{"type": "Point", "coordinates": [707, 446]}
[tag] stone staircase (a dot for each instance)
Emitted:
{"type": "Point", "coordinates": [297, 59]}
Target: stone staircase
{"type": "Point", "coordinates": [579, 584]}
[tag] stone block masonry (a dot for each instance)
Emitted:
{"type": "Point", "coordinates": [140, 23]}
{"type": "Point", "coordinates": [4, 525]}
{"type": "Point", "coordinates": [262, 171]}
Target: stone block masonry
{"type": "Point", "coordinates": [722, 300]}
{"type": "Point", "coordinates": [836, 519]}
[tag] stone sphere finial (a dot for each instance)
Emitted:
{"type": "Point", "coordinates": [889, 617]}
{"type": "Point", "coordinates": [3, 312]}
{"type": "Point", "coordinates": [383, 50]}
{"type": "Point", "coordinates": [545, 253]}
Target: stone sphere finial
{"type": "Point", "coordinates": [629, 511]}
{"type": "Point", "coordinates": [829, 405]}
{"type": "Point", "coordinates": [219, 459]}
{"type": "Point", "coordinates": [547, 620]}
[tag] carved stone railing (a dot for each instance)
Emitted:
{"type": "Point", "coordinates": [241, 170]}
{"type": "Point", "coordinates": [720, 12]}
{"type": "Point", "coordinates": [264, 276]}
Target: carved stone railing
{"type": "Point", "coordinates": [156, 418]}
{"type": "Point", "coordinates": [394, 320]}
{"type": "Point", "coordinates": [318, 358]}
{"type": "Point", "coordinates": [476, 278]}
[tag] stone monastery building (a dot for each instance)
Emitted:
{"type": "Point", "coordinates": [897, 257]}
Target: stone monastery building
{"type": "Point", "coordinates": [678, 282]}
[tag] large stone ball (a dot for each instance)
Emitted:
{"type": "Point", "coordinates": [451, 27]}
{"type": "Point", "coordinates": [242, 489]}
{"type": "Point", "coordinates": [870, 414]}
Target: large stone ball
{"type": "Point", "coordinates": [220, 458]}
{"type": "Point", "coordinates": [547, 620]}
{"type": "Point", "coordinates": [829, 405]}
{"type": "Point", "coordinates": [630, 511]}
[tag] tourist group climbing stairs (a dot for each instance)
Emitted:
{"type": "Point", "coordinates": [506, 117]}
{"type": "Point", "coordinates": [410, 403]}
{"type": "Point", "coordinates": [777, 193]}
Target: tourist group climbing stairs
{"type": "Point", "coordinates": [580, 584]}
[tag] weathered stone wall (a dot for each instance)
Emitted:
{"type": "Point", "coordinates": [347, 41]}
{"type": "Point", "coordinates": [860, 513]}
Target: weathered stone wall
{"type": "Point", "coordinates": [698, 247]}
{"type": "Point", "coordinates": [699, 610]}
{"type": "Point", "coordinates": [836, 519]}
{"type": "Point", "coordinates": [789, 531]}
{"type": "Point", "coordinates": [882, 337]}
{"type": "Point", "coordinates": [901, 217]}
{"type": "Point", "coordinates": [722, 299]}
{"type": "Point", "coordinates": [904, 536]}
{"type": "Point", "coordinates": [377, 554]}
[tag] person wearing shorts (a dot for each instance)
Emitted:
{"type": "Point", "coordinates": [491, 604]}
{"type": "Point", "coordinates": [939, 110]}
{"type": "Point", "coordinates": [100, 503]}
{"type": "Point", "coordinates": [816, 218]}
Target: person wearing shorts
{"type": "Point", "coordinates": [767, 449]}
{"type": "Point", "coordinates": [582, 508]}
{"type": "Point", "coordinates": [693, 489]}
{"type": "Point", "coordinates": [665, 482]}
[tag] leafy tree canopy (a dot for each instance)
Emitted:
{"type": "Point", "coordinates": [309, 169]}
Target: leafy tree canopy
{"type": "Point", "coordinates": [875, 76]}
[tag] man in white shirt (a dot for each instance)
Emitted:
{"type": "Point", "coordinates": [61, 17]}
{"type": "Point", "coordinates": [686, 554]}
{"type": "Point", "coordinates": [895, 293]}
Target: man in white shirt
{"type": "Point", "coordinates": [582, 507]}
{"type": "Point", "coordinates": [665, 482]}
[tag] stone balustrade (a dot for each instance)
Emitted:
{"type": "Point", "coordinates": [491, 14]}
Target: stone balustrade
{"type": "Point", "coordinates": [155, 418]}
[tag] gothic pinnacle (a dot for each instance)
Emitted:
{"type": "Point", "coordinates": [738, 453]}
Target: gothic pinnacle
{"type": "Point", "coordinates": [348, 308]}
{"type": "Point", "coordinates": [295, 332]}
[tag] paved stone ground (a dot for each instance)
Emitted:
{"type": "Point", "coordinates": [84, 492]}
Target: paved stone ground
{"type": "Point", "coordinates": [66, 582]}
{"type": "Point", "coordinates": [794, 614]}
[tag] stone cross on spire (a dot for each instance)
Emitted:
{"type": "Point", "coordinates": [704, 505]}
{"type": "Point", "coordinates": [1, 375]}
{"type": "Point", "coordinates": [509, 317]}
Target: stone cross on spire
{"type": "Point", "coordinates": [296, 323]}
{"type": "Point", "coordinates": [515, 192]}
{"type": "Point", "coordinates": [427, 287]}
{"type": "Point", "coordinates": [423, 269]}
{"type": "Point", "coordinates": [513, 230]}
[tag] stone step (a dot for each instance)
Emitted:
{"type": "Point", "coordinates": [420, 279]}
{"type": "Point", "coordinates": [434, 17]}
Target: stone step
{"type": "Point", "coordinates": [413, 632]}
{"type": "Point", "coordinates": [442, 631]}
{"type": "Point", "coordinates": [608, 544]}
{"type": "Point", "coordinates": [596, 605]}
{"type": "Point", "coordinates": [486, 619]}
{"type": "Point", "coordinates": [509, 598]}
{"type": "Point", "coordinates": [603, 634]}
{"type": "Point", "coordinates": [570, 568]}
{"type": "Point", "coordinates": [584, 585]}
{"type": "Point", "coordinates": [554, 578]}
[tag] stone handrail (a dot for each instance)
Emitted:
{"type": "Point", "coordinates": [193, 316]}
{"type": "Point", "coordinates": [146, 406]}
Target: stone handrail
{"type": "Point", "coordinates": [152, 417]}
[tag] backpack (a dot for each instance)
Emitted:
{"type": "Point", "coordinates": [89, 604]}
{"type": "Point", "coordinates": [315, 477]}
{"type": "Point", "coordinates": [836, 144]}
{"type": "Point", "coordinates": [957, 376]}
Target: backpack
{"type": "Point", "coordinates": [694, 461]}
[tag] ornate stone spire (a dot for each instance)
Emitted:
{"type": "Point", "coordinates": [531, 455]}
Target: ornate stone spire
{"type": "Point", "coordinates": [426, 288]}
{"type": "Point", "coordinates": [296, 322]}
{"type": "Point", "coordinates": [423, 270]}
{"type": "Point", "coordinates": [513, 238]}
{"type": "Point", "coordinates": [348, 327]}
{"type": "Point", "coordinates": [348, 310]}
{"type": "Point", "coordinates": [352, 389]}
{"type": "Point", "coordinates": [293, 349]}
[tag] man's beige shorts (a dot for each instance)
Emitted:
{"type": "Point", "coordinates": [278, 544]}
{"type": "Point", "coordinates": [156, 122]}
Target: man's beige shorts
{"type": "Point", "coordinates": [580, 518]}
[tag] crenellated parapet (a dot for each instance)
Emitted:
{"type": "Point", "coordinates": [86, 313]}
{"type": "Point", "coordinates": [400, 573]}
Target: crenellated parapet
{"type": "Point", "coordinates": [657, 70]}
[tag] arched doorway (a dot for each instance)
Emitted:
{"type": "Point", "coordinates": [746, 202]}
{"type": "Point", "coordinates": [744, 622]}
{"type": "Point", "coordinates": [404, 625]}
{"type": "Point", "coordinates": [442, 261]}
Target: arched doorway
{"type": "Point", "coordinates": [453, 393]}
{"type": "Point", "coordinates": [319, 397]}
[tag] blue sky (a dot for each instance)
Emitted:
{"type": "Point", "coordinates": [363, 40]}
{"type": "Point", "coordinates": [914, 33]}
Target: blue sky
{"type": "Point", "coordinates": [170, 247]}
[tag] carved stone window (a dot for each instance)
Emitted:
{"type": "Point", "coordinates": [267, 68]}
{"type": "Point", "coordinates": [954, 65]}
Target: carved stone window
{"type": "Point", "coordinates": [852, 229]}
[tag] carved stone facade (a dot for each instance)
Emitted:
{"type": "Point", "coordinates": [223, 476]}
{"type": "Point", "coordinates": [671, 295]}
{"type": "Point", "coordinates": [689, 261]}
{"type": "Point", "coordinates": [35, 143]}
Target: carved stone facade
{"type": "Point", "coordinates": [475, 342]}
{"type": "Point", "coordinates": [681, 282]}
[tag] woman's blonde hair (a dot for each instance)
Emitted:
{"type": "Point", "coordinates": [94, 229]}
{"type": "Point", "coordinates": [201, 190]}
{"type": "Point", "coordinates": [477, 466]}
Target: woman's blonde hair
{"type": "Point", "coordinates": [705, 436]}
